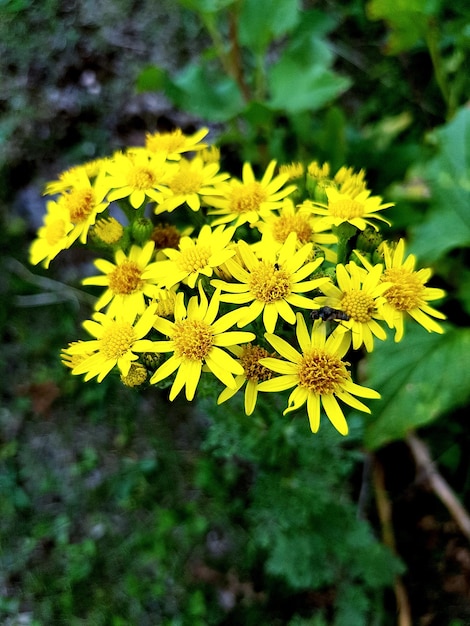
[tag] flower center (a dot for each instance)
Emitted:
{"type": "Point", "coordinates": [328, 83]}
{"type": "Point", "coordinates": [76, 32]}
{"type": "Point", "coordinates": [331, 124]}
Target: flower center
{"type": "Point", "coordinates": [108, 230]}
{"type": "Point", "coordinates": [358, 305]}
{"type": "Point", "coordinates": [346, 208]}
{"type": "Point", "coordinates": [141, 178]}
{"type": "Point", "coordinates": [321, 372]}
{"type": "Point", "coordinates": [126, 278]}
{"type": "Point", "coordinates": [137, 375]}
{"type": "Point", "coordinates": [185, 181]}
{"type": "Point", "coordinates": [407, 290]}
{"type": "Point", "coordinates": [193, 339]}
{"type": "Point", "coordinates": [80, 203]}
{"type": "Point", "coordinates": [193, 259]}
{"type": "Point", "coordinates": [249, 361]}
{"type": "Point", "coordinates": [165, 236]}
{"type": "Point", "coordinates": [269, 284]}
{"type": "Point", "coordinates": [287, 224]}
{"type": "Point", "coordinates": [247, 197]}
{"type": "Point", "coordinates": [117, 339]}
{"type": "Point", "coordinates": [55, 232]}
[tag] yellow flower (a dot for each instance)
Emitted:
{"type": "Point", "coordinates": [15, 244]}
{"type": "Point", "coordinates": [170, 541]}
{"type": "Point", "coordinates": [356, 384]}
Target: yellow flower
{"type": "Point", "coordinates": [70, 178]}
{"type": "Point", "coordinates": [195, 257]}
{"type": "Point", "coordinates": [358, 209]}
{"type": "Point", "coordinates": [293, 170]}
{"type": "Point", "coordinates": [359, 294]}
{"type": "Point", "coordinates": [83, 200]}
{"type": "Point", "coordinates": [192, 181]}
{"type": "Point", "coordinates": [350, 182]}
{"type": "Point", "coordinates": [272, 284]}
{"type": "Point", "coordinates": [318, 373]}
{"type": "Point", "coordinates": [276, 228]}
{"type": "Point", "coordinates": [253, 374]}
{"type": "Point", "coordinates": [137, 376]}
{"type": "Point", "coordinates": [116, 341]}
{"type": "Point", "coordinates": [52, 236]}
{"type": "Point", "coordinates": [129, 280]}
{"type": "Point", "coordinates": [407, 294]}
{"type": "Point", "coordinates": [175, 143]}
{"type": "Point", "coordinates": [196, 338]}
{"type": "Point", "coordinates": [137, 175]}
{"type": "Point", "coordinates": [108, 230]}
{"type": "Point", "coordinates": [249, 200]}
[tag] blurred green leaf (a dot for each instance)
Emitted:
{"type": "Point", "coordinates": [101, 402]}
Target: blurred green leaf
{"type": "Point", "coordinates": [152, 78]}
{"type": "Point", "coordinates": [419, 381]}
{"type": "Point", "coordinates": [206, 6]}
{"type": "Point", "coordinates": [262, 22]}
{"type": "Point", "coordinates": [407, 19]}
{"type": "Point", "coordinates": [206, 93]}
{"type": "Point", "coordinates": [301, 80]}
{"type": "Point", "coordinates": [448, 176]}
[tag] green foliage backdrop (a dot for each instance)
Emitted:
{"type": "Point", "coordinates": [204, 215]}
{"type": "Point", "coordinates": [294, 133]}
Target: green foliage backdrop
{"type": "Point", "coordinates": [118, 508]}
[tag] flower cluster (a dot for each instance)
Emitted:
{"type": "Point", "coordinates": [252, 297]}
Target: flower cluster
{"type": "Point", "coordinates": [203, 274]}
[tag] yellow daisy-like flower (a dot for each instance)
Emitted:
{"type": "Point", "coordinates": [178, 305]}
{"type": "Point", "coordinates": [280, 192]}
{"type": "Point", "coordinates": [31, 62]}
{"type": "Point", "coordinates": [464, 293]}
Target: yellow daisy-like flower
{"type": "Point", "coordinates": [195, 257]}
{"type": "Point", "coordinates": [319, 172]}
{"type": "Point", "coordinates": [253, 374]}
{"type": "Point", "coordinates": [136, 376]}
{"type": "Point", "coordinates": [319, 375]}
{"type": "Point", "coordinates": [192, 181]}
{"type": "Point", "coordinates": [293, 170]}
{"type": "Point", "coordinates": [350, 182]}
{"type": "Point", "coordinates": [137, 175]}
{"type": "Point", "coordinates": [175, 143]}
{"type": "Point", "coordinates": [70, 178]}
{"type": "Point", "coordinates": [196, 338]}
{"type": "Point", "coordinates": [407, 294]}
{"type": "Point", "coordinates": [308, 227]}
{"type": "Point", "coordinates": [358, 209]}
{"type": "Point", "coordinates": [115, 343]}
{"type": "Point", "coordinates": [249, 200]}
{"type": "Point", "coordinates": [359, 294]}
{"type": "Point", "coordinates": [129, 280]}
{"type": "Point", "coordinates": [108, 230]}
{"type": "Point", "coordinates": [84, 200]}
{"type": "Point", "coordinates": [52, 237]}
{"type": "Point", "coordinates": [272, 283]}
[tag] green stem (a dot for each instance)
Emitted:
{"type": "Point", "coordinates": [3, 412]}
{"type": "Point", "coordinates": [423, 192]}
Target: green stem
{"type": "Point", "coordinates": [432, 42]}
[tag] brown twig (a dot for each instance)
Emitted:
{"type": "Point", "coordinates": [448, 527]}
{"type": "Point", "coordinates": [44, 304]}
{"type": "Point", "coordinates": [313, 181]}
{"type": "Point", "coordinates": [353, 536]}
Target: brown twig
{"type": "Point", "coordinates": [427, 469]}
{"type": "Point", "coordinates": [384, 509]}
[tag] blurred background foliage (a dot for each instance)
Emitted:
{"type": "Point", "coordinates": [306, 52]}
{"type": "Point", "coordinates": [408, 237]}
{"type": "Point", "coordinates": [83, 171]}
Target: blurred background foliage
{"type": "Point", "coordinates": [123, 509]}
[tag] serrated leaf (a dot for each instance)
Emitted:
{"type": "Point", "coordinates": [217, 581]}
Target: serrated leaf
{"type": "Point", "coordinates": [262, 22]}
{"type": "Point", "coordinates": [448, 175]}
{"type": "Point", "coordinates": [420, 379]}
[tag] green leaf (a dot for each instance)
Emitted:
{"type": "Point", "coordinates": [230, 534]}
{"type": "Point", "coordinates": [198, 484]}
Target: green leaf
{"type": "Point", "coordinates": [206, 6]}
{"type": "Point", "coordinates": [448, 175]}
{"type": "Point", "coordinates": [152, 78]}
{"type": "Point", "coordinates": [301, 80]}
{"type": "Point", "coordinates": [420, 379]}
{"type": "Point", "coordinates": [209, 95]}
{"type": "Point", "coordinates": [262, 22]}
{"type": "Point", "coordinates": [407, 20]}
